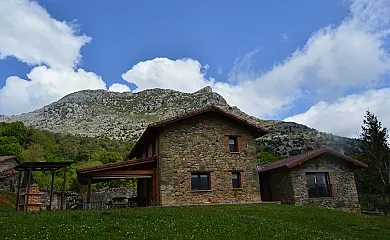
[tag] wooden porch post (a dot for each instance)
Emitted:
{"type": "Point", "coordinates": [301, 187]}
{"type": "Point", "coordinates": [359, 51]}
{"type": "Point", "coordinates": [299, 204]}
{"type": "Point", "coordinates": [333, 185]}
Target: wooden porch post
{"type": "Point", "coordinates": [51, 189]}
{"type": "Point", "coordinates": [18, 196]}
{"type": "Point", "coordinates": [88, 193]}
{"type": "Point", "coordinates": [63, 190]}
{"type": "Point", "coordinates": [28, 190]}
{"type": "Point", "coordinates": [154, 187]}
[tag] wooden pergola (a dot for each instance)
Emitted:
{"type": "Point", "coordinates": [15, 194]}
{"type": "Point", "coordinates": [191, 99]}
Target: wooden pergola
{"type": "Point", "coordinates": [144, 170]}
{"type": "Point", "coordinates": [29, 167]}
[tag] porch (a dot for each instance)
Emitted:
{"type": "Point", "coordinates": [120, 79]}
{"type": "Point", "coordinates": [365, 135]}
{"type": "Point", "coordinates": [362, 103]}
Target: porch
{"type": "Point", "coordinates": [144, 170]}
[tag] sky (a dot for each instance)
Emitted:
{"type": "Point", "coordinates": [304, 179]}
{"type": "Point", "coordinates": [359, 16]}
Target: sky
{"type": "Point", "coordinates": [320, 63]}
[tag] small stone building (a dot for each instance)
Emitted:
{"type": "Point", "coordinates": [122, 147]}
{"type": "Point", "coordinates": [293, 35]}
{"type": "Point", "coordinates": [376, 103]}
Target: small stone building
{"type": "Point", "coordinates": [321, 177]}
{"type": "Point", "coordinates": [209, 156]}
{"type": "Point", "coordinates": [8, 176]}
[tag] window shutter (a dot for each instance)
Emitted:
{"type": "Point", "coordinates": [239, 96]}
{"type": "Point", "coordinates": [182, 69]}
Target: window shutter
{"type": "Point", "coordinates": [212, 180]}
{"type": "Point", "coordinates": [331, 180]}
{"type": "Point", "coordinates": [189, 181]}
{"type": "Point", "coordinates": [241, 144]}
{"type": "Point", "coordinates": [305, 184]}
{"type": "Point", "coordinates": [242, 179]}
{"type": "Point", "coordinates": [225, 143]}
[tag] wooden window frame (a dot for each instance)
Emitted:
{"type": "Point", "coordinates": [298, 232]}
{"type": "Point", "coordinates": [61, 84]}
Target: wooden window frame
{"type": "Point", "coordinates": [235, 139]}
{"type": "Point", "coordinates": [328, 186]}
{"type": "Point", "coordinates": [238, 179]}
{"type": "Point", "coordinates": [199, 185]}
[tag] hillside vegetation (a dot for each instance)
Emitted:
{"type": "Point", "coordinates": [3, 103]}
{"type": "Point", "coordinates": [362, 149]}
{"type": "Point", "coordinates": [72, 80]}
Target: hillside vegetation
{"type": "Point", "coordinates": [251, 221]}
{"type": "Point", "coordinates": [33, 145]}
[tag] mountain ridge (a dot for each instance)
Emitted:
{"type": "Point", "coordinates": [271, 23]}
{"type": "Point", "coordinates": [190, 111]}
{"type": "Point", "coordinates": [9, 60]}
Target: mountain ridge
{"type": "Point", "coordinates": [124, 116]}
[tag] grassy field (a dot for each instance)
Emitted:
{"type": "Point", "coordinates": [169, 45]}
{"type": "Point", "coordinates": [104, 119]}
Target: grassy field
{"type": "Point", "coordinates": [252, 221]}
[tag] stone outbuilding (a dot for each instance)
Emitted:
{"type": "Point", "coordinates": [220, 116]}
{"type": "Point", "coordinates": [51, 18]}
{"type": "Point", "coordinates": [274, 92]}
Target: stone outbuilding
{"type": "Point", "coordinates": [8, 177]}
{"type": "Point", "coordinates": [320, 177]}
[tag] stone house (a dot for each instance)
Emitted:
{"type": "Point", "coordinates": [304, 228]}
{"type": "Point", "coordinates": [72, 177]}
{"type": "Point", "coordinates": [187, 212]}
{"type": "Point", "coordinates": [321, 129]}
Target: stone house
{"type": "Point", "coordinates": [320, 177]}
{"type": "Point", "coordinates": [205, 156]}
{"type": "Point", "coordinates": [209, 156]}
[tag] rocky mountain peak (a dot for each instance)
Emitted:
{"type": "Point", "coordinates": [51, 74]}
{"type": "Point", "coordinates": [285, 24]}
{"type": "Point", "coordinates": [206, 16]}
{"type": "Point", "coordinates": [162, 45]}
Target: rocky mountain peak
{"type": "Point", "coordinates": [124, 116]}
{"type": "Point", "coordinates": [206, 89]}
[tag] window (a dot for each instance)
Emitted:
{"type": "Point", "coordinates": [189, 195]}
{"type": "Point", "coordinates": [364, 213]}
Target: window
{"type": "Point", "coordinates": [233, 144]}
{"type": "Point", "coordinates": [200, 181]}
{"type": "Point", "coordinates": [318, 185]}
{"type": "Point", "coordinates": [236, 179]}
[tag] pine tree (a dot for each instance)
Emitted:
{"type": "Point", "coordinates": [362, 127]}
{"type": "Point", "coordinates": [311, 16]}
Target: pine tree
{"type": "Point", "coordinates": [376, 152]}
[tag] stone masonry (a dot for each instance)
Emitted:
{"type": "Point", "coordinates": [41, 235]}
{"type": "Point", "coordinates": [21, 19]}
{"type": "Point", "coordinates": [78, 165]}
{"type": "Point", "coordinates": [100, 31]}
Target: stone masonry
{"type": "Point", "coordinates": [200, 144]}
{"type": "Point", "coordinates": [344, 193]}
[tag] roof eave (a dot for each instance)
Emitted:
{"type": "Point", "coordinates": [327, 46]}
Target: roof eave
{"type": "Point", "coordinates": [136, 145]}
{"type": "Point", "coordinates": [356, 163]}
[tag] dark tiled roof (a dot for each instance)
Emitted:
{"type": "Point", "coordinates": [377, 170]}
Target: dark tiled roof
{"type": "Point", "coordinates": [5, 158]}
{"type": "Point", "coordinates": [115, 165]}
{"type": "Point", "coordinates": [42, 166]}
{"type": "Point", "coordinates": [208, 109]}
{"type": "Point", "coordinates": [299, 159]}
{"type": "Point", "coordinates": [260, 131]}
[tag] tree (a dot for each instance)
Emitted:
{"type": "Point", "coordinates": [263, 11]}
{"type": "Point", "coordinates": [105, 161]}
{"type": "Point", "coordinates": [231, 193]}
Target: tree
{"type": "Point", "coordinates": [10, 146]}
{"type": "Point", "coordinates": [265, 157]}
{"type": "Point", "coordinates": [376, 153]}
{"type": "Point", "coordinates": [14, 129]}
{"type": "Point", "coordinates": [106, 157]}
{"type": "Point", "coordinates": [34, 153]}
{"type": "Point", "coordinates": [111, 157]}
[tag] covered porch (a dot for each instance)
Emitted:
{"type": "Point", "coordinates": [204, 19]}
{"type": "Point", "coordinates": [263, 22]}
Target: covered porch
{"type": "Point", "coordinates": [144, 170]}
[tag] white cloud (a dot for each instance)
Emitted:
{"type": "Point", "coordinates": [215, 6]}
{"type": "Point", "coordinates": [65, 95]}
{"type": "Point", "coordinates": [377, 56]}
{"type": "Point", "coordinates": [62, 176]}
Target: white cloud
{"type": "Point", "coordinates": [219, 70]}
{"type": "Point", "coordinates": [334, 60]}
{"type": "Point", "coordinates": [242, 67]}
{"type": "Point", "coordinates": [187, 75]}
{"type": "Point", "coordinates": [345, 116]}
{"type": "Point", "coordinates": [284, 37]}
{"type": "Point", "coordinates": [183, 74]}
{"type": "Point", "coordinates": [43, 86]}
{"type": "Point", "coordinates": [117, 87]}
{"type": "Point", "coordinates": [30, 34]}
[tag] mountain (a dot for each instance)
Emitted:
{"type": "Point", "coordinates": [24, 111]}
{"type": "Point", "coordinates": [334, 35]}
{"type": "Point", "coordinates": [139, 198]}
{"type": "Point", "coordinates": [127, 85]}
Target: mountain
{"type": "Point", "coordinates": [124, 116]}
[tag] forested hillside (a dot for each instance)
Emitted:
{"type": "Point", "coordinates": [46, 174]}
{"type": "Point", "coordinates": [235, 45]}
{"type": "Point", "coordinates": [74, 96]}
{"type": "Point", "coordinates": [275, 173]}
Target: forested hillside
{"type": "Point", "coordinates": [34, 145]}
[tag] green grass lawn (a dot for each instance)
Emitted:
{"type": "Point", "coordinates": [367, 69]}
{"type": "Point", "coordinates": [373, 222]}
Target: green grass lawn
{"type": "Point", "coordinates": [252, 221]}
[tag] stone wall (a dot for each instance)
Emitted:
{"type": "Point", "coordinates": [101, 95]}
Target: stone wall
{"type": "Point", "coordinates": [283, 183]}
{"type": "Point", "coordinates": [198, 144]}
{"type": "Point", "coordinates": [9, 180]}
{"type": "Point", "coordinates": [276, 186]}
{"type": "Point", "coordinates": [344, 193]}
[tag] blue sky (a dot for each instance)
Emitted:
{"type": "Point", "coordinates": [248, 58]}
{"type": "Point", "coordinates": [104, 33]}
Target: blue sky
{"type": "Point", "coordinates": [304, 61]}
{"type": "Point", "coordinates": [212, 32]}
